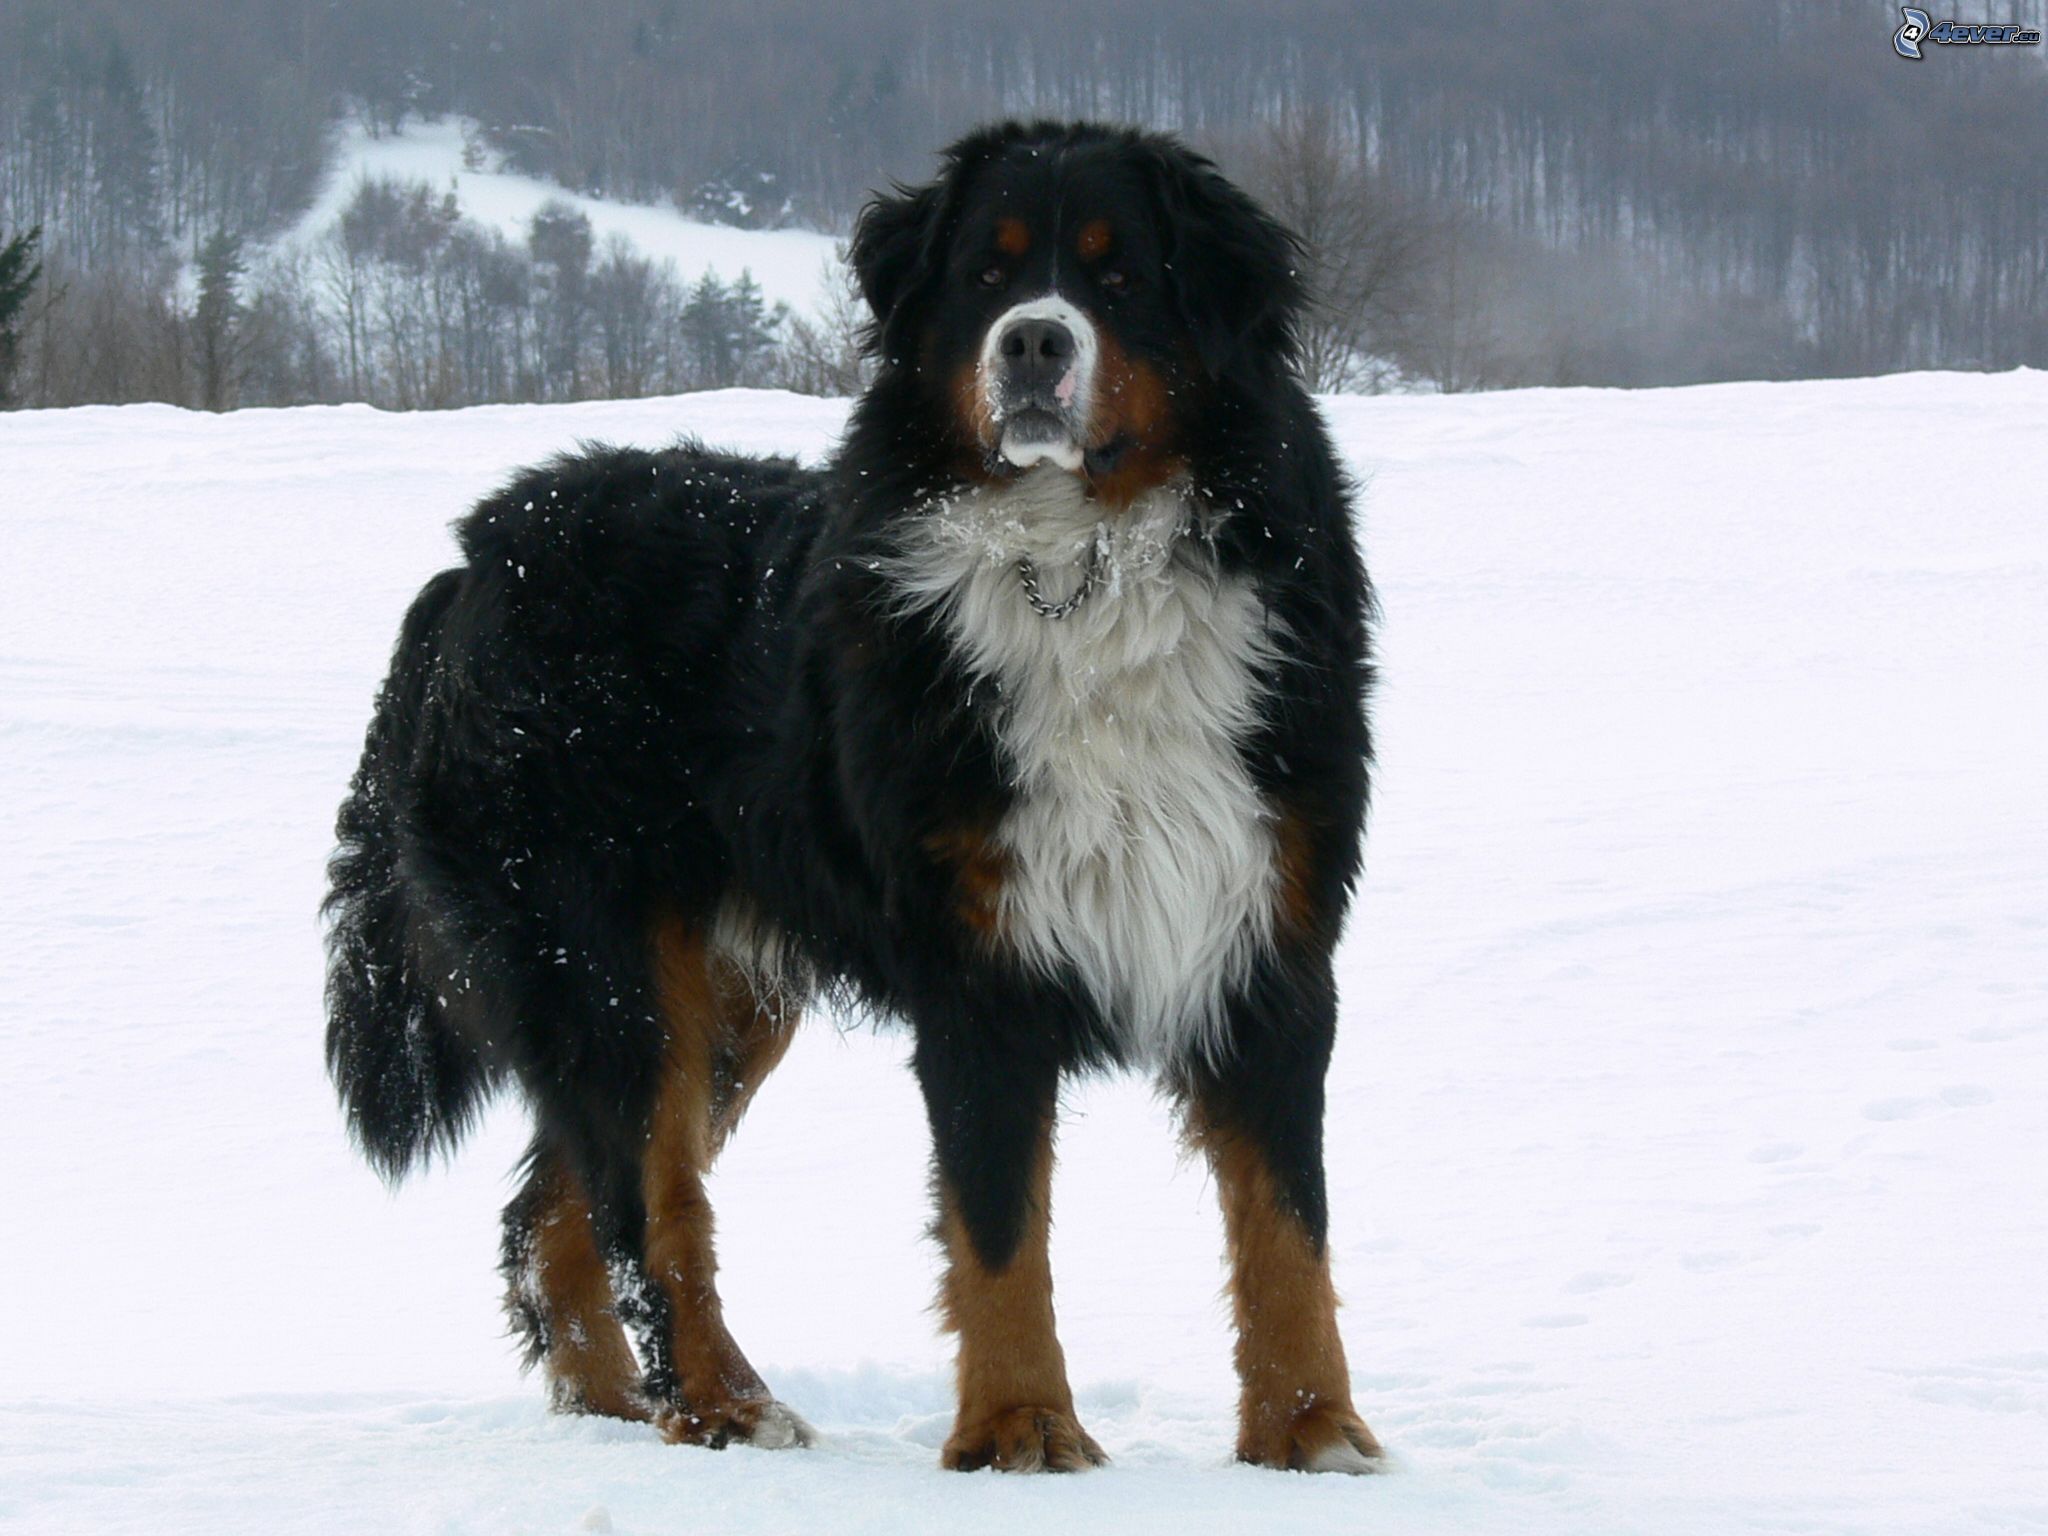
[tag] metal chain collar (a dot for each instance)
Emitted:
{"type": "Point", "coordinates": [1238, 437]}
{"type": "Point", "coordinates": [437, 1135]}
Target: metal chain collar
{"type": "Point", "coordinates": [1091, 577]}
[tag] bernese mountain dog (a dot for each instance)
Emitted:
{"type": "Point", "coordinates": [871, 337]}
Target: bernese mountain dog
{"type": "Point", "coordinates": [1035, 719]}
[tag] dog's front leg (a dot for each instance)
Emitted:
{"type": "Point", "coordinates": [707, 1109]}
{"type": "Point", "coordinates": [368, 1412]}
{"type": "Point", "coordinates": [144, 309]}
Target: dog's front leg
{"type": "Point", "coordinates": [1256, 1113]}
{"type": "Point", "coordinates": [992, 1135]}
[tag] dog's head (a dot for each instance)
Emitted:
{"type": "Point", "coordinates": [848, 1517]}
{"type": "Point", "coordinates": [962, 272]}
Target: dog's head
{"type": "Point", "coordinates": [1072, 295]}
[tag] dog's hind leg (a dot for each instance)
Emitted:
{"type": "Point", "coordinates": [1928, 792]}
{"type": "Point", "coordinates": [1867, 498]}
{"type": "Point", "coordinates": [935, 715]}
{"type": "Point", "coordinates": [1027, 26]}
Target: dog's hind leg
{"type": "Point", "coordinates": [559, 1295]}
{"type": "Point", "coordinates": [721, 1040]}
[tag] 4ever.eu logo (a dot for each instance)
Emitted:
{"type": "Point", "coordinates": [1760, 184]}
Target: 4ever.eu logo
{"type": "Point", "coordinates": [1918, 29]}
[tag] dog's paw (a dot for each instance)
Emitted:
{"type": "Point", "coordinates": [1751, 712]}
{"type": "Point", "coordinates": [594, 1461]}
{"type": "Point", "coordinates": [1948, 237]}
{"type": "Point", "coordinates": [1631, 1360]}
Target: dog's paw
{"type": "Point", "coordinates": [600, 1399]}
{"type": "Point", "coordinates": [760, 1422]}
{"type": "Point", "coordinates": [1321, 1437]}
{"type": "Point", "coordinates": [1022, 1440]}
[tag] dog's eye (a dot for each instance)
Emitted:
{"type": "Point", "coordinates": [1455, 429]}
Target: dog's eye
{"type": "Point", "coordinates": [1115, 279]}
{"type": "Point", "coordinates": [991, 277]}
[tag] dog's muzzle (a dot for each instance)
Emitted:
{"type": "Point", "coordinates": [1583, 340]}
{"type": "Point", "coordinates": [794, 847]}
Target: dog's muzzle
{"type": "Point", "coordinates": [1036, 368]}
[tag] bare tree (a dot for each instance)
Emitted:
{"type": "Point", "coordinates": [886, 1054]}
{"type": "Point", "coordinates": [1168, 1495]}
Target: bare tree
{"type": "Point", "coordinates": [1366, 249]}
{"type": "Point", "coordinates": [1452, 336]}
{"type": "Point", "coordinates": [630, 301]}
{"type": "Point", "coordinates": [822, 353]}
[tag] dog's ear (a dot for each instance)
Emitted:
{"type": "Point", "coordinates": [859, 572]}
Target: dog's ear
{"type": "Point", "coordinates": [1234, 272]}
{"type": "Point", "coordinates": [893, 245]}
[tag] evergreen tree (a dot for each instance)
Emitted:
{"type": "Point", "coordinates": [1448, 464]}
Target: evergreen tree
{"type": "Point", "coordinates": [19, 269]}
{"type": "Point", "coordinates": [706, 338]}
{"type": "Point", "coordinates": [218, 319]}
{"type": "Point", "coordinates": [730, 335]}
{"type": "Point", "coordinates": [127, 160]}
{"type": "Point", "coordinates": [559, 239]}
{"type": "Point", "coordinates": [756, 330]}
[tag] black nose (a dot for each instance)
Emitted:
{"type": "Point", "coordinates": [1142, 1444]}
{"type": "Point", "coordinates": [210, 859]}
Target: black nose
{"type": "Point", "coordinates": [1036, 354]}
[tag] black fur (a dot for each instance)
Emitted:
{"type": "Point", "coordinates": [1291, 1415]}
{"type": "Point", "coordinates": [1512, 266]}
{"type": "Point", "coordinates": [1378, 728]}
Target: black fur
{"type": "Point", "coordinates": [664, 680]}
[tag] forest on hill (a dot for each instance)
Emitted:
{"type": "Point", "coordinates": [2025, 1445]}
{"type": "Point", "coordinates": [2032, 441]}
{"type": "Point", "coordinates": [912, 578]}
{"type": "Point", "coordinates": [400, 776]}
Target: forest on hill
{"type": "Point", "coordinates": [1597, 191]}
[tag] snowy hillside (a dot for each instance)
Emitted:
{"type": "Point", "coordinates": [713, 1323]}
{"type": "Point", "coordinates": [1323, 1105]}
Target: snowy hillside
{"type": "Point", "coordinates": [1690, 1117]}
{"type": "Point", "coordinates": [789, 264]}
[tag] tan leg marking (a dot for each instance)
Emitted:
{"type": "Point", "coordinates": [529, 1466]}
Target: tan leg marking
{"type": "Point", "coordinates": [589, 1365]}
{"type": "Point", "coordinates": [1295, 1408]}
{"type": "Point", "coordinates": [722, 1041]}
{"type": "Point", "coordinates": [765, 1028]}
{"type": "Point", "coordinates": [1016, 1409]}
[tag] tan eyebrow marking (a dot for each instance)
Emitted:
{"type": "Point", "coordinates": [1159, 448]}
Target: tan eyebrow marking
{"type": "Point", "coordinates": [1013, 236]}
{"type": "Point", "coordinates": [1093, 240]}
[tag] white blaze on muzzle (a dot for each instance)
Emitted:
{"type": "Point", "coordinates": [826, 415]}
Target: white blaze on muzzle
{"type": "Point", "coordinates": [1051, 425]}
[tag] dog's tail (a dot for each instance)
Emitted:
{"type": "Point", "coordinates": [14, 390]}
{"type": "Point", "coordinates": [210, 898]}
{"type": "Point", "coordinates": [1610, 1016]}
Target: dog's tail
{"type": "Point", "coordinates": [410, 1082]}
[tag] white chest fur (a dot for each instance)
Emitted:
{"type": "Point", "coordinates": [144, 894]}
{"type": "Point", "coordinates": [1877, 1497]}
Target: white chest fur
{"type": "Point", "coordinates": [1139, 852]}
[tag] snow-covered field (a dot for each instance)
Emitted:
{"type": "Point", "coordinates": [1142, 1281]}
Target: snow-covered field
{"type": "Point", "coordinates": [791, 265]}
{"type": "Point", "coordinates": [1689, 1130]}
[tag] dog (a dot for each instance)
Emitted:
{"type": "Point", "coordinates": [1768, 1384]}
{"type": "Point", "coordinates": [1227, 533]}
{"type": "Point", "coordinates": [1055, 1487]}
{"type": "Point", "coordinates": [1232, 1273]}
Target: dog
{"type": "Point", "coordinates": [1036, 720]}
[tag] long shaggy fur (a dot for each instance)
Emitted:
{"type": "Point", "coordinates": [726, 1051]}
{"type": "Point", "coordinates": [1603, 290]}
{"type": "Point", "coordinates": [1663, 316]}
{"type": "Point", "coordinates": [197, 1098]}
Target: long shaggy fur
{"type": "Point", "coordinates": [409, 1083]}
{"type": "Point", "coordinates": [807, 717]}
{"type": "Point", "coordinates": [1141, 853]}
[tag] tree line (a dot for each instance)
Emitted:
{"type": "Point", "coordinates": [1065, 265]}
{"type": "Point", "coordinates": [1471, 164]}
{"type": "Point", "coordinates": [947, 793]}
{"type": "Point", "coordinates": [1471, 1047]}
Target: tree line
{"type": "Point", "coordinates": [1602, 191]}
{"type": "Point", "coordinates": [408, 305]}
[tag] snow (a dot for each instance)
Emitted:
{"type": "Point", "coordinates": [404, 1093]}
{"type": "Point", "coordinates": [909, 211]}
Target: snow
{"type": "Point", "coordinates": [1687, 1130]}
{"type": "Point", "coordinates": [791, 265]}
